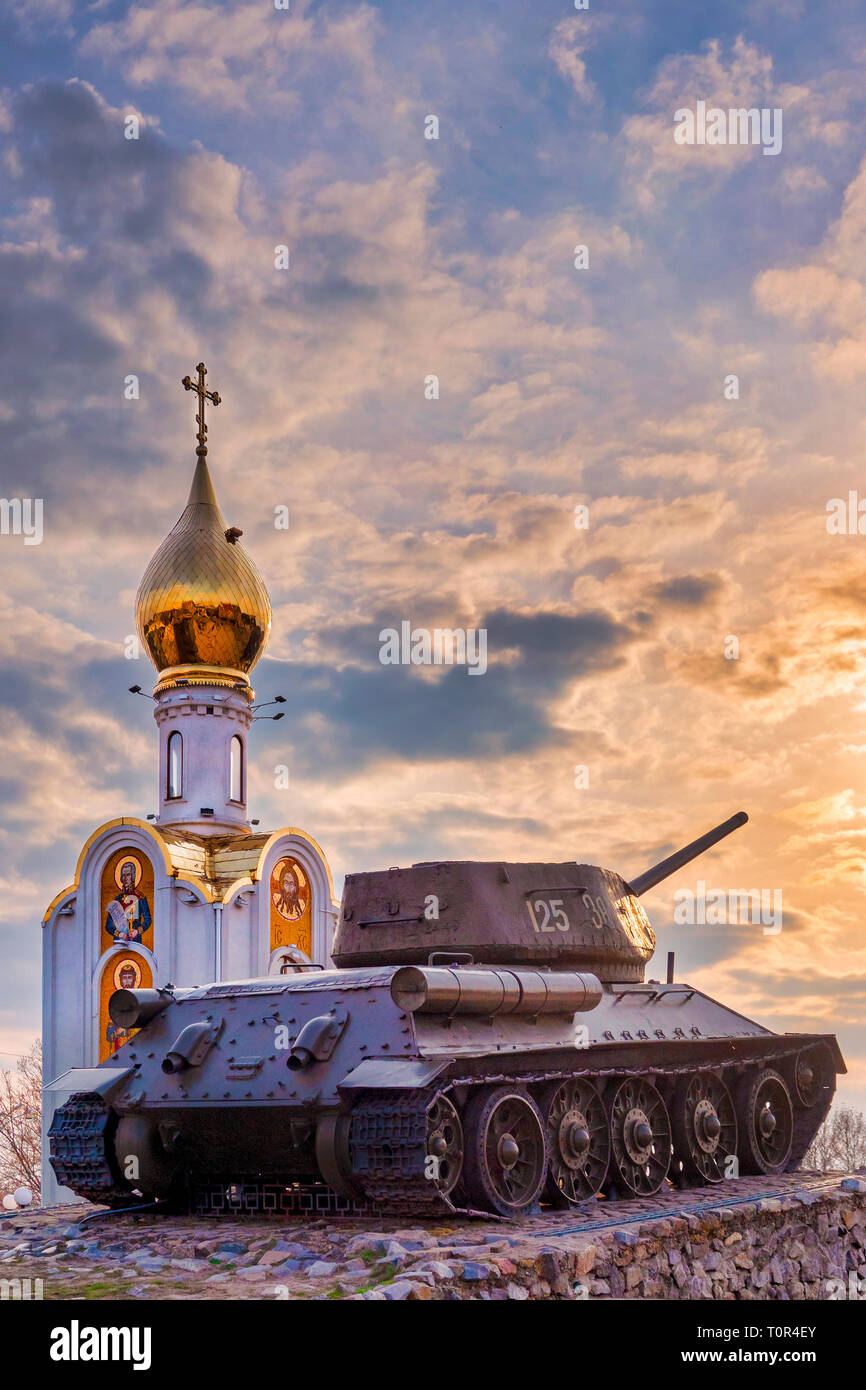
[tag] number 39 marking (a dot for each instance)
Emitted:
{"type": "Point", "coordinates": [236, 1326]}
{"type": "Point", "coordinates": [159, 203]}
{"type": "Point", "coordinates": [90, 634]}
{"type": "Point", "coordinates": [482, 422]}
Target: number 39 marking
{"type": "Point", "coordinates": [595, 908]}
{"type": "Point", "coordinates": [548, 915]}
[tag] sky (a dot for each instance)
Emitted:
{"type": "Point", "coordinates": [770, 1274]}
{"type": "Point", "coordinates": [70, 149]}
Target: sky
{"type": "Point", "coordinates": [696, 646]}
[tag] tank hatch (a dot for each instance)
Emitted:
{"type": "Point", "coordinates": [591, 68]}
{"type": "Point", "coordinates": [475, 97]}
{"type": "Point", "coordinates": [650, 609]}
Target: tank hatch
{"type": "Point", "coordinates": [556, 915]}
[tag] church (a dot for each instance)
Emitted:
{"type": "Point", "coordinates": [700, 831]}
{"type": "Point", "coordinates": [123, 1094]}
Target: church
{"type": "Point", "coordinates": [197, 893]}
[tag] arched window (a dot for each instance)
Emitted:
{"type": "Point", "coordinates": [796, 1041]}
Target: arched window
{"type": "Point", "coordinates": [174, 767]}
{"type": "Point", "coordinates": [236, 775]}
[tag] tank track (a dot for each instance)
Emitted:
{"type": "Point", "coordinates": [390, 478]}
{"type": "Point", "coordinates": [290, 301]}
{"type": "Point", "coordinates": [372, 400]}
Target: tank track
{"type": "Point", "coordinates": [388, 1150]}
{"type": "Point", "coordinates": [595, 1073]}
{"type": "Point", "coordinates": [79, 1138]}
{"type": "Point", "coordinates": [387, 1137]}
{"type": "Point", "coordinates": [387, 1143]}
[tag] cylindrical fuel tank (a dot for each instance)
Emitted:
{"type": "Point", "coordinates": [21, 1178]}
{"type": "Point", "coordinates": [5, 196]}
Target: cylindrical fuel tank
{"type": "Point", "coordinates": [432, 989]}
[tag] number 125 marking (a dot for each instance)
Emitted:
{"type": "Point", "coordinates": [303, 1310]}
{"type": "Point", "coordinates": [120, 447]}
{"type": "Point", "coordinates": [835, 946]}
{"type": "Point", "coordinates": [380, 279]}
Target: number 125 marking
{"type": "Point", "coordinates": [553, 915]}
{"type": "Point", "coordinates": [549, 915]}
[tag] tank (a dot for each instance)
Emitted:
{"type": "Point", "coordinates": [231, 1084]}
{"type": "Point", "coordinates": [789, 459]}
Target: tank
{"type": "Point", "coordinates": [486, 1042]}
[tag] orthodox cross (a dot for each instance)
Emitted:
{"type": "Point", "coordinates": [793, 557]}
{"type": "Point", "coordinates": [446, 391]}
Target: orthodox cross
{"type": "Point", "coordinates": [203, 395]}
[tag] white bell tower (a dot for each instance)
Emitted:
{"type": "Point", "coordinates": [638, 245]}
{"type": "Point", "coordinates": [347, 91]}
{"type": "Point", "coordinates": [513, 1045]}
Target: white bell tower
{"type": "Point", "coordinates": [203, 756]}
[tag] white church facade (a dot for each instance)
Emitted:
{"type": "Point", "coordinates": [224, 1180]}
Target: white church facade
{"type": "Point", "coordinates": [197, 894]}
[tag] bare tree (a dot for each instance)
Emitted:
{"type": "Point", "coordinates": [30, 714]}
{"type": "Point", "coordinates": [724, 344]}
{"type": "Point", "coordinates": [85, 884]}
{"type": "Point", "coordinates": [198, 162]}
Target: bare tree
{"type": "Point", "coordinates": [851, 1137]}
{"type": "Point", "coordinates": [840, 1142]}
{"type": "Point", "coordinates": [21, 1123]}
{"type": "Point", "coordinates": [821, 1153]}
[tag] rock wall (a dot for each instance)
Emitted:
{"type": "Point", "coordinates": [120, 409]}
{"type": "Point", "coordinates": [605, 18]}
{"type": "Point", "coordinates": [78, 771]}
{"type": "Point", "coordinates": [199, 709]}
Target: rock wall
{"type": "Point", "coordinates": [802, 1236]}
{"type": "Point", "coordinates": [808, 1243]}
{"type": "Point", "coordinates": [804, 1246]}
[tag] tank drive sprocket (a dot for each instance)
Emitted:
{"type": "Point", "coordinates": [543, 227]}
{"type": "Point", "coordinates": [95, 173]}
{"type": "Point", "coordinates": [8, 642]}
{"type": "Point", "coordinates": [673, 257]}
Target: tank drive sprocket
{"type": "Point", "coordinates": [392, 1137]}
{"type": "Point", "coordinates": [81, 1135]}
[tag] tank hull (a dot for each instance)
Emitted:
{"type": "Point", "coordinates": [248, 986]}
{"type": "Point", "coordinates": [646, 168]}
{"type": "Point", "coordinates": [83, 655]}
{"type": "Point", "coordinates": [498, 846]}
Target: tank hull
{"type": "Point", "coordinates": [328, 1079]}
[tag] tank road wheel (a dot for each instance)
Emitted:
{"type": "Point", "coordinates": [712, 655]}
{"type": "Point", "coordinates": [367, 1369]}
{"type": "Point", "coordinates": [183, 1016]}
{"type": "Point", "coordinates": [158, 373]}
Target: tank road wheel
{"type": "Point", "coordinates": [640, 1136]}
{"type": "Point", "coordinates": [765, 1120]}
{"type": "Point", "coordinates": [578, 1141]}
{"type": "Point", "coordinates": [506, 1153]}
{"type": "Point", "coordinates": [445, 1143]}
{"type": "Point", "coordinates": [704, 1126]}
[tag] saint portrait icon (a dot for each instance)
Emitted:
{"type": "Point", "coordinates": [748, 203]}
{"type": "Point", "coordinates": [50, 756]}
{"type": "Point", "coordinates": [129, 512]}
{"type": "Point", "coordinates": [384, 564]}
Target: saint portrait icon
{"type": "Point", "coordinates": [127, 975]}
{"type": "Point", "coordinates": [288, 890]}
{"type": "Point", "coordinates": [291, 906]}
{"type": "Point", "coordinates": [128, 916]}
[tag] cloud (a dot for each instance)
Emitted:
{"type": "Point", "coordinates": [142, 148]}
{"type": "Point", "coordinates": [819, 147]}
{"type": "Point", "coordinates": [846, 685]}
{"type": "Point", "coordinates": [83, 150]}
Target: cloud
{"type": "Point", "coordinates": [234, 58]}
{"type": "Point", "coordinates": [569, 41]}
{"type": "Point", "coordinates": [370, 712]}
{"type": "Point", "coordinates": [690, 590]}
{"type": "Point", "coordinates": [826, 298]}
{"type": "Point", "coordinates": [742, 77]}
{"type": "Point", "coordinates": [558, 387]}
{"type": "Point", "coordinates": [37, 18]}
{"type": "Point", "coordinates": [739, 76]}
{"type": "Point", "coordinates": [802, 181]}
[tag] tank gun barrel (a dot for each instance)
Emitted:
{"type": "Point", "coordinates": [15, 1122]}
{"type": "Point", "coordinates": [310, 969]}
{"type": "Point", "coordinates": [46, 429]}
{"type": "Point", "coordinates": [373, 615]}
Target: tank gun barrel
{"type": "Point", "coordinates": [645, 881]}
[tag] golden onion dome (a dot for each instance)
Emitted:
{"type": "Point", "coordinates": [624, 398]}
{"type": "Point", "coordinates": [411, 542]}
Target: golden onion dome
{"type": "Point", "coordinates": [202, 609]}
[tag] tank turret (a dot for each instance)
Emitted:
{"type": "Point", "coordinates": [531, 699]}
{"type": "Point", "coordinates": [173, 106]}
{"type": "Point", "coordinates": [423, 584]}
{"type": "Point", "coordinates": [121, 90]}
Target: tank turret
{"type": "Point", "coordinates": [562, 916]}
